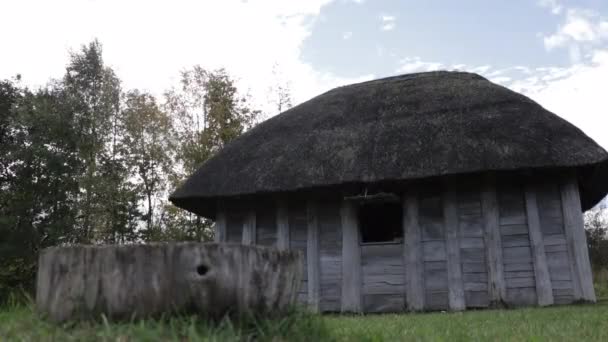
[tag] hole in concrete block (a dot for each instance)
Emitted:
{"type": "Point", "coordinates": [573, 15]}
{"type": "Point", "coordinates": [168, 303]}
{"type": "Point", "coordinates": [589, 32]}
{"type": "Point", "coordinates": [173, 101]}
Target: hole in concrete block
{"type": "Point", "coordinates": [202, 269]}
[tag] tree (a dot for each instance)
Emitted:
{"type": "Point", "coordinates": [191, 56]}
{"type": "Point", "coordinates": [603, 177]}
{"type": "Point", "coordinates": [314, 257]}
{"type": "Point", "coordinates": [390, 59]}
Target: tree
{"type": "Point", "coordinates": [38, 189]}
{"type": "Point", "coordinates": [208, 112]}
{"type": "Point", "coordinates": [148, 144]}
{"type": "Point", "coordinates": [91, 93]}
{"type": "Point", "coordinates": [596, 227]}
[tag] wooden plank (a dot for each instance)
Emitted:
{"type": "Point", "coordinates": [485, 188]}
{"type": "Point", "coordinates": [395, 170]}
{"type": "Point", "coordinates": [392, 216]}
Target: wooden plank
{"type": "Point", "coordinates": [522, 240]}
{"type": "Point", "coordinates": [266, 226]}
{"type": "Point", "coordinates": [436, 300]}
{"type": "Point", "coordinates": [513, 229]}
{"type": "Point", "coordinates": [489, 205]}
{"type": "Point", "coordinates": [220, 225]}
{"type": "Point", "coordinates": [455, 283]}
{"type": "Point", "coordinates": [554, 239]}
{"type": "Point", "coordinates": [521, 296]}
{"type": "Point", "coordinates": [521, 282]}
{"type": "Point", "coordinates": [434, 250]}
{"type": "Point", "coordinates": [312, 256]}
{"type": "Point", "coordinates": [477, 299]}
{"type": "Point", "coordinates": [330, 254]}
{"type": "Point", "coordinates": [282, 218]}
{"type": "Point", "coordinates": [512, 255]}
{"type": "Point", "coordinates": [472, 255]}
{"type": "Point", "coordinates": [430, 220]}
{"type": "Point", "coordinates": [474, 267]}
{"type": "Point", "coordinates": [351, 259]}
{"type": "Point", "coordinates": [436, 280]}
{"type": "Point", "coordinates": [475, 278]}
{"type": "Point", "coordinates": [544, 290]}
{"type": "Point", "coordinates": [519, 274]}
{"type": "Point", "coordinates": [234, 226]}
{"type": "Point", "coordinates": [577, 241]}
{"type": "Point", "coordinates": [249, 228]}
{"type": "Point", "coordinates": [376, 303]}
{"type": "Point", "coordinates": [472, 242]}
{"type": "Point", "coordinates": [412, 253]}
{"type": "Point", "coordinates": [483, 286]}
{"type": "Point", "coordinates": [525, 266]}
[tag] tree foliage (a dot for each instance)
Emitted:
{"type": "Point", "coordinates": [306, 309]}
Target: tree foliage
{"type": "Point", "coordinates": [83, 161]}
{"type": "Point", "coordinates": [596, 226]}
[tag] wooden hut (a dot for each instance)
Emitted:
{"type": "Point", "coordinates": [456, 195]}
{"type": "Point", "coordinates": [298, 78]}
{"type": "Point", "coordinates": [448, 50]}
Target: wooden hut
{"type": "Point", "coordinates": [429, 191]}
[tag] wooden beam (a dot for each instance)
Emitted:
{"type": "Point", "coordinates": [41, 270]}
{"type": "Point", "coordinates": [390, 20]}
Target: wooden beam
{"type": "Point", "coordinates": [576, 240]}
{"type": "Point", "coordinates": [249, 228]}
{"type": "Point", "coordinates": [351, 259]}
{"type": "Point", "coordinates": [456, 298]}
{"type": "Point", "coordinates": [312, 256]}
{"type": "Point", "coordinates": [412, 252]}
{"type": "Point", "coordinates": [220, 225]}
{"type": "Point", "coordinates": [282, 218]}
{"type": "Point", "coordinates": [544, 288]}
{"type": "Point", "coordinates": [497, 290]}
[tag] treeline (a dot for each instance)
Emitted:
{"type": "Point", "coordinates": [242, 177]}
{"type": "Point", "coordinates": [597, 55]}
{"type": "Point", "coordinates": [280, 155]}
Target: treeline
{"type": "Point", "coordinates": [84, 161]}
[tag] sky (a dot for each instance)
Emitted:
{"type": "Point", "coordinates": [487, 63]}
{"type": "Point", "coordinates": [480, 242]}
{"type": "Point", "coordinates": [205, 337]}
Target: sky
{"type": "Point", "coordinates": [554, 51]}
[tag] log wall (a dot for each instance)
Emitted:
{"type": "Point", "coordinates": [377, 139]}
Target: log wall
{"type": "Point", "coordinates": [495, 241]}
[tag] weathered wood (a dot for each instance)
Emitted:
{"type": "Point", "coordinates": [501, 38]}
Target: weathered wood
{"type": "Point", "coordinates": [521, 296]}
{"type": "Point", "coordinates": [249, 228]}
{"type": "Point", "coordinates": [383, 277]}
{"type": "Point", "coordinates": [282, 217]}
{"type": "Point", "coordinates": [312, 256]}
{"type": "Point", "coordinates": [234, 226]}
{"type": "Point", "coordinates": [351, 259]}
{"type": "Point", "coordinates": [454, 269]}
{"type": "Point", "coordinates": [436, 300]}
{"type": "Point", "coordinates": [434, 250]}
{"type": "Point", "coordinates": [544, 290]}
{"type": "Point", "coordinates": [577, 241]}
{"type": "Point", "coordinates": [489, 205]}
{"type": "Point", "coordinates": [138, 281]}
{"type": "Point", "coordinates": [383, 303]}
{"type": "Point", "coordinates": [412, 253]}
{"type": "Point", "coordinates": [330, 255]}
{"type": "Point", "coordinates": [220, 225]}
{"type": "Point", "coordinates": [266, 225]}
{"type": "Point", "coordinates": [298, 232]}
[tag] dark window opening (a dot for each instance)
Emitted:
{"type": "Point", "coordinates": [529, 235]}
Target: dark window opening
{"type": "Point", "coordinates": [380, 222]}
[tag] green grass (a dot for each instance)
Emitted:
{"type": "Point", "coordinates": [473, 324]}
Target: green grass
{"type": "Point", "coordinates": [564, 323]}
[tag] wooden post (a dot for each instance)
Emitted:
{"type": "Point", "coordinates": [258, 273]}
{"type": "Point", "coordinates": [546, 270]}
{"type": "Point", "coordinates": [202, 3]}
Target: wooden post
{"type": "Point", "coordinates": [312, 256]}
{"type": "Point", "coordinates": [455, 286]}
{"type": "Point", "coordinates": [574, 228]}
{"type": "Point", "coordinates": [412, 253]}
{"type": "Point", "coordinates": [489, 205]}
{"type": "Point", "coordinates": [220, 224]}
{"type": "Point", "coordinates": [351, 259]}
{"type": "Point", "coordinates": [249, 227]}
{"type": "Point", "coordinates": [544, 288]}
{"type": "Point", "coordinates": [282, 225]}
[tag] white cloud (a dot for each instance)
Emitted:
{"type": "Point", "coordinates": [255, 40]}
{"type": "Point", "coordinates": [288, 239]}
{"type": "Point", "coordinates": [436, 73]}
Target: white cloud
{"type": "Point", "coordinates": [582, 31]}
{"type": "Point", "coordinates": [388, 22]}
{"type": "Point", "coordinates": [577, 93]}
{"type": "Point", "coordinates": [553, 5]}
{"type": "Point", "coordinates": [347, 35]}
{"type": "Point", "coordinates": [149, 42]}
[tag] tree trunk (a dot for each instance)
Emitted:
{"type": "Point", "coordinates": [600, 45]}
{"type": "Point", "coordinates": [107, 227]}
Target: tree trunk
{"type": "Point", "coordinates": [135, 281]}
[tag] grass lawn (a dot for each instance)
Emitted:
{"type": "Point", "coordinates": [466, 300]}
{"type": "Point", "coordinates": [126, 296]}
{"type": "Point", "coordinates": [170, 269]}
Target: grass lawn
{"type": "Point", "coordinates": [565, 323]}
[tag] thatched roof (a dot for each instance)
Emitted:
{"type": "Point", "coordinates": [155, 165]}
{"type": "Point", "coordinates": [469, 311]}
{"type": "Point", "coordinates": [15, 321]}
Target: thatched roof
{"type": "Point", "coordinates": [392, 129]}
